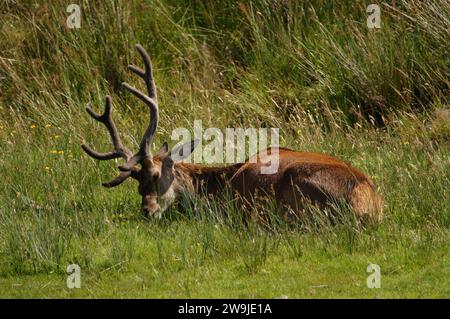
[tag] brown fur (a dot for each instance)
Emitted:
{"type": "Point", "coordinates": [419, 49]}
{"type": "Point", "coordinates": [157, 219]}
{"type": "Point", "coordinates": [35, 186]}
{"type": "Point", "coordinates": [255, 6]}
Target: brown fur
{"type": "Point", "coordinates": [301, 178]}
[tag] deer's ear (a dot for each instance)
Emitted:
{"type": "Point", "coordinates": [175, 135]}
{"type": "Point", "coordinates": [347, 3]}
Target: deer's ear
{"type": "Point", "coordinates": [164, 149]}
{"type": "Point", "coordinates": [180, 152]}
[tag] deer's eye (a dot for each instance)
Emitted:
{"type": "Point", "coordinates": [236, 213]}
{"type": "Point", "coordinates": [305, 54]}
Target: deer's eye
{"type": "Point", "coordinates": [155, 177]}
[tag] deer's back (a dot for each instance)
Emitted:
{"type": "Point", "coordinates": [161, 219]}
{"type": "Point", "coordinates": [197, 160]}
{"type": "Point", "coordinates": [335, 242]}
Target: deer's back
{"type": "Point", "coordinates": [315, 177]}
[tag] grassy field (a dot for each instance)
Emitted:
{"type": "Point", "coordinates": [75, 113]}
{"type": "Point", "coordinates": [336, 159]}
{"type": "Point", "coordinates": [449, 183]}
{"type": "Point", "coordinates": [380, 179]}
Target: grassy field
{"type": "Point", "coordinates": [371, 97]}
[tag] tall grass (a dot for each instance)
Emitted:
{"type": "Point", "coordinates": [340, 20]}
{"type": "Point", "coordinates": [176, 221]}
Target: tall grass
{"type": "Point", "coordinates": [276, 58]}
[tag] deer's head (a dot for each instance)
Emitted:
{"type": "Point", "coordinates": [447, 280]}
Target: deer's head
{"type": "Point", "coordinates": [155, 174]}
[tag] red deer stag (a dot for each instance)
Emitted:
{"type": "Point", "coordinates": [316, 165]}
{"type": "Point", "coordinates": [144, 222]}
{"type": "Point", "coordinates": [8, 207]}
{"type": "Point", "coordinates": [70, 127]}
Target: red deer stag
{"type": "Point", "coordinates": [301, 177]}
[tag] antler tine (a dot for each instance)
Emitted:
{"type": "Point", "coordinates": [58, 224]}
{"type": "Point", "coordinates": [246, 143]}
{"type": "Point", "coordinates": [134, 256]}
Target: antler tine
{"type": "Point", "coordinates": [118, 180]}
{"type": "Point", "coordinates": [152, 103]}
{"type": "Point", "coordinates": [106, 119]}
{"type": "Point", "coordinates": [123, 175]}
{"type": "Point", "coordinates": [146, 74]}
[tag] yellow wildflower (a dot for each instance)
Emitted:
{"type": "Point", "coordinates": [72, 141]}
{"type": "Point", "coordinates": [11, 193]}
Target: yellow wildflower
{"type": "Point", "coordinates": [53, 152]}
{"type": "Point", "coordinates": [47, 168]}
{"type": "Point", "coordinates": [48, 125]}
{"type": "Point", "coordinates": [60, 152]}
{"type": "Point", "coordinates": [33, 126]}
{"type": "Point", "coordinates": [56, 136]}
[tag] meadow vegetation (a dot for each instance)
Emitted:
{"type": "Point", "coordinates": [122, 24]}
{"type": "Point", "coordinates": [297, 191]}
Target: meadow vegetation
{"type": "Point", "coordinates": [311, 68]}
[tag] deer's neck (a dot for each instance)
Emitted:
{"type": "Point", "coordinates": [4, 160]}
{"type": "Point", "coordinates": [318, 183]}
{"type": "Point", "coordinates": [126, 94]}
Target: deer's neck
{"type": "Point", "coordinates": [203, 179]}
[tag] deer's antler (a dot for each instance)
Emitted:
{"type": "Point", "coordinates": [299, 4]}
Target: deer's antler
{"type": "Point", "coordinates": [119, 149]}
{"type": "Point", "coordinates": [106, 119]}
{"type": "Point", "coordinates": [152, 103]}
{"type": "Point", "coordinates": [129, 169]}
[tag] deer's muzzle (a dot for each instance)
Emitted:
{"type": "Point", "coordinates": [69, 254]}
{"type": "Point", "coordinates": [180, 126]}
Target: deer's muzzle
{"type": "Point", "coordinates": [150, 206]}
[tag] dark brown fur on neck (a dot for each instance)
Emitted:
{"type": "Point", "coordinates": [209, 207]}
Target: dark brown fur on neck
{"type": "Point", "coordinates": [206, 179]}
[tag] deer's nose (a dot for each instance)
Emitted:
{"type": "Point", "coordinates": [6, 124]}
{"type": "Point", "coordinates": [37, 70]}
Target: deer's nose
{"type": "Point", "coordinates": [150, 207]}
{"type": "Point", "coordinates": [152, 210]}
